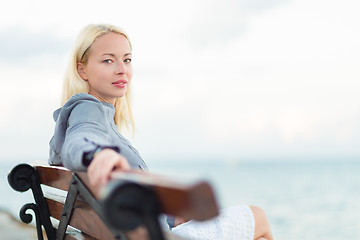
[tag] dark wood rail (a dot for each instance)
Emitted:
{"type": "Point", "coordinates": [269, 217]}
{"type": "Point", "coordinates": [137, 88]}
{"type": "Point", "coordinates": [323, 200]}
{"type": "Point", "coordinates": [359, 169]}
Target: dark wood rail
{"type": "Point", "coordinates": [109, 213]}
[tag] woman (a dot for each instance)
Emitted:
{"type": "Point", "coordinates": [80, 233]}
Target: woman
{"type": "Point", "coordinates": [96, 107]}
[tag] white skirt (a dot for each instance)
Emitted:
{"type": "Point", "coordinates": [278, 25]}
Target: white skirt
{"type": "Point", "coordinates": [234, 223]}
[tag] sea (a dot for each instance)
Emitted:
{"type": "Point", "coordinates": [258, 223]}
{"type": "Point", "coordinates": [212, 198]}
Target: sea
{"type": "Point", "coordinates": [304, 200]}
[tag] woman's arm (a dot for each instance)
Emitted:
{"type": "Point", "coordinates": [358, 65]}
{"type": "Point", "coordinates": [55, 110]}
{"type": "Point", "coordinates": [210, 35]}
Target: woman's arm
{"type": "Point", "coordinates": [80, 133]}
{"type": "Point", "coordinates": [85, 132]}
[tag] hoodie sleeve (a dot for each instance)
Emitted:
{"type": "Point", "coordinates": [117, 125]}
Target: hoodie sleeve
{"type": "Point", "coordinates": [80, 127]}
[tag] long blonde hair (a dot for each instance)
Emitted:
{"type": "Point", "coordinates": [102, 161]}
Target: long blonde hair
{"type": "Point", "coordinates": [74, 84]}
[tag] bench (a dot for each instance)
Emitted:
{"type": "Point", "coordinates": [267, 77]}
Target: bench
{"type": "Point", "coordinates": [128, 207]}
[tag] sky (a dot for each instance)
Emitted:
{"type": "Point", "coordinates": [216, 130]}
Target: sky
{"type": "Point", "coordinates": [229, 80]}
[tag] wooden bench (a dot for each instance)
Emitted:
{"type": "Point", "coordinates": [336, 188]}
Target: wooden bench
{"type": "Point", "coordinates": [127, 208]}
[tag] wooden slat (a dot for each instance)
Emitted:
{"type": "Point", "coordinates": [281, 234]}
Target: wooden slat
{"type": "Point", "coordinates": [194, 200]}
{"type": "Point", "coordinates": [75, 235]}
{"type": "Point", "coordinates": [84, 218]}
{"type": "Point", "coordinates": [190, 202]}
{"type": "Point", "coordinates": [57, 177]}
{"type": "Point", "coordinates": [87, 220]}
{"type": "Point", "coordinates": [186, 199]}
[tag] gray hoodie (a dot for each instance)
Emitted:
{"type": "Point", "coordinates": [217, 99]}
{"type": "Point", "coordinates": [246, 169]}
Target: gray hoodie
{"type": "Point", "coordinates": [83, 123]}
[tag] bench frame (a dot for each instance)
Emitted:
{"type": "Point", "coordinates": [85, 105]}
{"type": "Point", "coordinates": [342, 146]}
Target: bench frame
{"type": "Point", "coordinates": [23, 177]}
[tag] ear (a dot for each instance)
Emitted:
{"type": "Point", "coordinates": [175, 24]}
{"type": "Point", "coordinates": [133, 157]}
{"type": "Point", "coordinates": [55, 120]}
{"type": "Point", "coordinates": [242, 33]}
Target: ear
{"type": "Point", "coordinates": [81, 70]}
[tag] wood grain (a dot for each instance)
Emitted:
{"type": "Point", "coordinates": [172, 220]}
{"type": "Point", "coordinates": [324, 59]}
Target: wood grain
{"type": "Point", "coordinates": [57, 177]}
{"type": "Point", "coordinates": [83, 218]}
{"type": "Point", "coordinates": [189, 200]}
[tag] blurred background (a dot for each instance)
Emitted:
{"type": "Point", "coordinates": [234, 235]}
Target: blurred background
{"type": "Point", "coordinates": [258, 96]}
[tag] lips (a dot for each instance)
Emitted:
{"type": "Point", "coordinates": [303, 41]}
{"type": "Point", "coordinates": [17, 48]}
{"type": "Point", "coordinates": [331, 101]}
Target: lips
{"type": "Point", "coordinates": [121, 83]}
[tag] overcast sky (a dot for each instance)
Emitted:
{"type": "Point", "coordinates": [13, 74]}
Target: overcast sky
{"type": "Point", "coordinates": [228, 80]}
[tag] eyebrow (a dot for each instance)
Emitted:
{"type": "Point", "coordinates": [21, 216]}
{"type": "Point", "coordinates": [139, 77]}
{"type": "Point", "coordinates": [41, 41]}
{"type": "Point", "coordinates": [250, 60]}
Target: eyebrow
{"type": "Point", "coordinates": [113, 55]}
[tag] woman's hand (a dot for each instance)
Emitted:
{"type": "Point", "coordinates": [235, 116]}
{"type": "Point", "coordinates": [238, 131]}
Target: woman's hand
{"type": "Point", "coordinates": [100, 168]}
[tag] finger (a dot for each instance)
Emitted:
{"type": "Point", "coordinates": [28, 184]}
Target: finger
{"type": "Point", "coordinates": [103, 164]}
{"type": "Point", "coordinates": [122, 164]}
{"type": "Point", "coordinates": [98, 171]}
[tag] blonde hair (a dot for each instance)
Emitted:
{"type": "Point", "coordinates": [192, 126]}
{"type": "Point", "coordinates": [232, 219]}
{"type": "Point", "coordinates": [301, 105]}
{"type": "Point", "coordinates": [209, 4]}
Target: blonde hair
{"type": "Point", "coordinates": [74, 84]}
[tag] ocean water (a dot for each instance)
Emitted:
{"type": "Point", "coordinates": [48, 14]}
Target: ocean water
{"type": "Point", "coordinates": [303, 200]}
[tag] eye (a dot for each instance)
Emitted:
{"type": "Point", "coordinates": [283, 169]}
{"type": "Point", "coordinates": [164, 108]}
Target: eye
{"type": "Point", "coordinates": [108, 61]}
{"type": "Point", "coordinates": [127, 60]}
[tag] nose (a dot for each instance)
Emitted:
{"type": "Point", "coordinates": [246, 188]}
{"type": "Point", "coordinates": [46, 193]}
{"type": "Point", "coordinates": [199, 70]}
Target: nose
{"type": "Point", "coordinates": [120, 68]}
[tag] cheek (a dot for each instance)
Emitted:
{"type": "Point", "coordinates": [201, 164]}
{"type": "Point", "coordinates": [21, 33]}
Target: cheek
{"type": "Point", "coordinates": [96, 73]}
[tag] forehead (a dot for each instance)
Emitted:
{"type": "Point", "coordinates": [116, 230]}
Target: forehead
{"type": "Point", "coordinates": [111, 43]}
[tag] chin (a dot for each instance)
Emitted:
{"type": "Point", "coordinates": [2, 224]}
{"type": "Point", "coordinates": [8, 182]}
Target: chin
{"type": "Point", "coordinates": [121, 95]}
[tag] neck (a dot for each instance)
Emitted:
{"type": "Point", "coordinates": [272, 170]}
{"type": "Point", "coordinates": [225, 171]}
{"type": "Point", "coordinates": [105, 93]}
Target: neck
{"type": "Point", "coordinates": [100, 98]}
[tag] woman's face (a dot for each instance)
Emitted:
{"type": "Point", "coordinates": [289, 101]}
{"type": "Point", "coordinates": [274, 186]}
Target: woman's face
{"type": "Point", "coordinates": [108, 70]}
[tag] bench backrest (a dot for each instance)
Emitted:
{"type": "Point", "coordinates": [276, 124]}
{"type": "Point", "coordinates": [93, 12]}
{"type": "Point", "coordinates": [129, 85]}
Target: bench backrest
{"type": "Point", "coordinates": [67, 197]}
{"type": "Point", "coordinates": [83, 216]}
